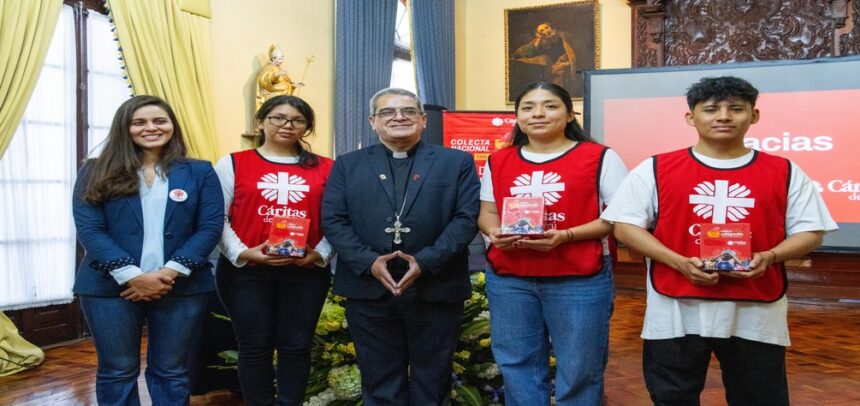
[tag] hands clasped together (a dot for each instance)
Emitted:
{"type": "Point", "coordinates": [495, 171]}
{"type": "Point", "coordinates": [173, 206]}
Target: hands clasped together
{"type": "Point", "coordinates": [379, 270]}
{"type": "Point", "coordinates": [150, 286]}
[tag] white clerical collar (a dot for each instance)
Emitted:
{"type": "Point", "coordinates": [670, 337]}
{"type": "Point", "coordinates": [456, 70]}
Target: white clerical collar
{"type": "Point", "coordinates": [402, 154]}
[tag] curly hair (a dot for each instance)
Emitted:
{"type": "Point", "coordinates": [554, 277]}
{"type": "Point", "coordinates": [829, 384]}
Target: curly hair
{"type": "Point", "coordinates": [719, 89]}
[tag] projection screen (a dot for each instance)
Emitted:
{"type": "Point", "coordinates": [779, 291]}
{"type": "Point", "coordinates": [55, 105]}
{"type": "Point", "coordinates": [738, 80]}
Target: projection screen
{"type": "Point", "coordinates": [810, 113]}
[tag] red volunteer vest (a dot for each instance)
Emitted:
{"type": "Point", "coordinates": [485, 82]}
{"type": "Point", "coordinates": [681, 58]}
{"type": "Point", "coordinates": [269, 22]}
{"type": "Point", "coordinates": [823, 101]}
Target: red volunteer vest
{"type": "Point", "coordinates": [265, 189]}
{"type": "Point", "coordinates": [569, 185]}
{"type": "Point", "coordinates": [756, 193]}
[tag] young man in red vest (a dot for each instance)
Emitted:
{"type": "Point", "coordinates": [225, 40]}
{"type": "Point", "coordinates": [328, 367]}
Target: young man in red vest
{"type": "Point", "coordinates": [740, 316]}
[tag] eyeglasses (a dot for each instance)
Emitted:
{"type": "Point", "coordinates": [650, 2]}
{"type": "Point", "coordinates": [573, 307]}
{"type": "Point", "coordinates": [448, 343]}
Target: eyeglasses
{"type": "Point", "coordinates": [407, 112]}
{"type": "Point", "coordinates": [280, 121]}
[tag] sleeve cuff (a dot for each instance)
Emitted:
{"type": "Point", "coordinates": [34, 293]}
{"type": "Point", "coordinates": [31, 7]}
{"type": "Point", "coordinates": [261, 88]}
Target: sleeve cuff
{"type": "Point", "coordinates": [176, 266]}
{"type": "Point", "coordinates": [110, 266]}
{"type": "Point", "coordinates": [324, 261]}
{"type": "Point", "coordinates": [324, 248]}
{"type": "Point", "coordinates": [231, 246]}
{"type": "Point", "coordinates": [125, 274]}
{"type": "Point", "coordinates": [189, 263]}
{"type": "Point", "coordinates": [623, 219]}
{"type": "Point", "coordinates": [234, 259]}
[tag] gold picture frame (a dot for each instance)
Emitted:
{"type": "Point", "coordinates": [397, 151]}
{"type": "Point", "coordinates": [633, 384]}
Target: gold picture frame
{"type": "Point", "coordinates": [551, 43]}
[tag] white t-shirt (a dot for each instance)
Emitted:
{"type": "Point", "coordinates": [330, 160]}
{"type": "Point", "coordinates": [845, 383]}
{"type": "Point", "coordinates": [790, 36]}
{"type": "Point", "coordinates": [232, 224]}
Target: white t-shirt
{"type": "Point", "coordinates": [230, 245]}
{"type": "Point", "coordinates": [612, 173]}
{"type": "Point", "coordinates": [635, 203]}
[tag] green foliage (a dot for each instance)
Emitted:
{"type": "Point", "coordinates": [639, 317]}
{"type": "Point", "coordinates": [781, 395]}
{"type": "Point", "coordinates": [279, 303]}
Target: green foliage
{"type": "Point", "coordinates": [477, 380]}
{"type": "Point", "coordinates": [468, 396]}
{"type": "Point", "coordinates": [220, 316]}
{"type": "Point", "coordinates": [231, 360]}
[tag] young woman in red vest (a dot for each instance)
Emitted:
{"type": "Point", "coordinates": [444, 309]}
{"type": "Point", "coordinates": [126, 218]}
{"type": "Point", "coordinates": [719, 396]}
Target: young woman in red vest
{"type": "Point", "coordinates": [557, 287]}
{"type": "Point", "coordinates": [274, 301]}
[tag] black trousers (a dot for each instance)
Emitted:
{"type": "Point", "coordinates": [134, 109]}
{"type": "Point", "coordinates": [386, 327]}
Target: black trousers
{"type": "Point", "coordinates": [405, 348]}
{"type": "Point", "coordinates": [753, 372]}
{"type": "Point", "coordinates": [273, 308]}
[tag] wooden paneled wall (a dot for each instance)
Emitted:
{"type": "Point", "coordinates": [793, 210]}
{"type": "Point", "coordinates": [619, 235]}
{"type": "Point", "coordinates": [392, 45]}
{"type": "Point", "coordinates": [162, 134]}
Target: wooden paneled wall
{"type": "Point", "coordinates": [694, 32]}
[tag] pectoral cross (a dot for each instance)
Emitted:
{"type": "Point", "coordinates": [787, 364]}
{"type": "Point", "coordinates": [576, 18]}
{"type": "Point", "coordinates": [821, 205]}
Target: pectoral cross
{"type": "Point", "coordinates": [397, 229]}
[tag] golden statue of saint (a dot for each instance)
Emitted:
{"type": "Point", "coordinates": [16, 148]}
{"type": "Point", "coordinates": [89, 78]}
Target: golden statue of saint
{"type": "Point", "coordinates": [273, 80]}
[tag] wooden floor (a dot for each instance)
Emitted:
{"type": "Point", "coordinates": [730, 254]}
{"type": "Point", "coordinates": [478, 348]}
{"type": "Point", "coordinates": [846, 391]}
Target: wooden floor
{"type": "Point", "coordinates": [823, 364]}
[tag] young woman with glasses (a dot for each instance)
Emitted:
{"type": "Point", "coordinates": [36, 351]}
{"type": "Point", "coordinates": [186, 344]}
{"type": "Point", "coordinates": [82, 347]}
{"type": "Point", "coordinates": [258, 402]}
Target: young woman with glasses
{"type": "Point", "coordinates": [273, 301]}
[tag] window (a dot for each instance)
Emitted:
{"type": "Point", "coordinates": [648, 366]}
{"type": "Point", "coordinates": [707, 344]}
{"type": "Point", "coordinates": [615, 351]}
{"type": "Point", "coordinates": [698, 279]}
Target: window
{"type": "Point", "coordinates": [402, 70]}
{"type": "Point", "coordinates": [37, 173]}
{"type": "Point", "coordinates": [107, 84]}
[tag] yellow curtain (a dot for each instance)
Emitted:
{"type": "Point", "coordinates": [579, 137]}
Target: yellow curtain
{"type": "Point", "coordinates": [167, 50]}
{"type": "Point", "coordinates": [16, 353]}
{"type": "Point", "coordinates": [26, 28]}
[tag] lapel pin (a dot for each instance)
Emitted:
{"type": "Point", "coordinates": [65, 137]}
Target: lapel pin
{"type": "Point", "coordinates": [178, 195]}
{"type": "Point", "coordinates": [415, 177]}
{"type": "Point", "coordinates": [382, 176]}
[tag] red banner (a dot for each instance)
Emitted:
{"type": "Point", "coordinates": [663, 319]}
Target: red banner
{"type": "Point", "coordinates": [478, 133]}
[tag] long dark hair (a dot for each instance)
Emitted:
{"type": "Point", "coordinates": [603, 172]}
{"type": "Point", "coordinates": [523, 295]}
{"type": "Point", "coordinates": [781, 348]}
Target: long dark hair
{"type": "Point", "coordinates": [114, 173]}
{"type": "Point", "coordinates": [572, 130]}
{"type": "Point", "coordinates": [307, 159]}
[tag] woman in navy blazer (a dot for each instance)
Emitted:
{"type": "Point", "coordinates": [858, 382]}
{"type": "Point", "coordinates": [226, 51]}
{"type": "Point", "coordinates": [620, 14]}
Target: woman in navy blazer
{"type": "Point", "coordinates": [147, 217]}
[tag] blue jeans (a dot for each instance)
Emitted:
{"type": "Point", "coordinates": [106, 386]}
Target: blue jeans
{"type": "Point", "coordinates": [530, 315]}
{"type": "Point", "coordinates": [116, 325]}
{"type": "Point", "coordinates": [273, 308]}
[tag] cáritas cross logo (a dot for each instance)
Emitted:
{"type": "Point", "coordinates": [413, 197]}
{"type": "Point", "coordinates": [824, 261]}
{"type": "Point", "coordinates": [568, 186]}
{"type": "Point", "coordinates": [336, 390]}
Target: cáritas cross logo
{"type": "Point", "coordinates": [283, 187]}
{"type": "Point", "coordinates": [719, 201]}
{"type": "Point", "coordinates": [539, 183]}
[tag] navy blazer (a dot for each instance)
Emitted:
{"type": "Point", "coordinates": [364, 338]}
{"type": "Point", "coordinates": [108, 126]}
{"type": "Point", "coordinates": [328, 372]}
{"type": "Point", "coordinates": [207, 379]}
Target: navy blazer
{"type": "Point", "coordinates": [441, 208]}
{"type": "Point", "coordinates": [112, 232]}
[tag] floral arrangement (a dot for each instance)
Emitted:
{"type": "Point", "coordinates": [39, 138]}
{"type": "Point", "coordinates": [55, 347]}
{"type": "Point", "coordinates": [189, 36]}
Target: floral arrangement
{"type": "Point", "coordinates": [335, 379]}
{"type": "Point", "coordinates": [477, 379]}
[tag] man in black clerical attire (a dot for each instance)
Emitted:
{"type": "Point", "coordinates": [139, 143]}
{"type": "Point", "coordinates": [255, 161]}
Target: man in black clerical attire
{"type": "Point", "coordinates": [400, 215]}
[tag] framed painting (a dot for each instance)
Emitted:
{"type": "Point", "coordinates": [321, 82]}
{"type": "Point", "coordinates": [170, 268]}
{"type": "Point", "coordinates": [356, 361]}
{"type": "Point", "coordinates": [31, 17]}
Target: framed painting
{"type": "Point", "coordinates": [553, 43]}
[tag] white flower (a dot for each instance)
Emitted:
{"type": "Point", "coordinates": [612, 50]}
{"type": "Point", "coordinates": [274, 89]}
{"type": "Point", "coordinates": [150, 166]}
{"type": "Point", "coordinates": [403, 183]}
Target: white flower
{"type": "Point", "coordinates": [490, 371]}
{"type": "Point", "coordinates": [321, 399]}
{"type": "Point", "coordinates": [345, 382]}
